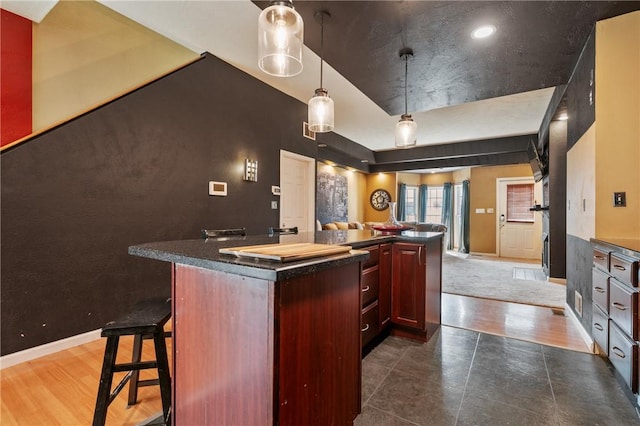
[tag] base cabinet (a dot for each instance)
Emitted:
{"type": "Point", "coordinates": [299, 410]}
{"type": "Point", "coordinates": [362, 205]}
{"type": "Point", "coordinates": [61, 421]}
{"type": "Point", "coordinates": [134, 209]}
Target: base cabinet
{"type": "Point", "coordinates": [249, 351]}
{"type": "Point", "coordinates": [615, 293]}
{"type": "Point", "coordinates": [416, 289]}
{"type": "Point", "coordinates": [401, 285]}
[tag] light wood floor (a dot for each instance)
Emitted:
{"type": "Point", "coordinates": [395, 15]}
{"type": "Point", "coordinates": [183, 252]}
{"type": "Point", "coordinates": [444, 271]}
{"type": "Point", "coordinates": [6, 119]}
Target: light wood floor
{"type": "Point", "coordinates": [60, 389]}
{"type": "Point", "coordinates": [524, 322]}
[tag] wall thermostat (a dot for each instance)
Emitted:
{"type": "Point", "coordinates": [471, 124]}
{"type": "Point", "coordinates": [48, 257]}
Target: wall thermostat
{"type": "Point", "coordinates": [218, 188]}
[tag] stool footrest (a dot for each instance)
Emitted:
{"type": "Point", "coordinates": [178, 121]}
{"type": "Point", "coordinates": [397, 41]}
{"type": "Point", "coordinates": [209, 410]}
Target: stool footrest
{"type": "Point", "coordinates": [135, 366]}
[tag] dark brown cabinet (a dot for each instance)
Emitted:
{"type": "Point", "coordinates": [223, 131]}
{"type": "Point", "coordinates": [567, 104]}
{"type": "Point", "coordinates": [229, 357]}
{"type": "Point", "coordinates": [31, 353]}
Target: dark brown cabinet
{"type": "Point", "coordinates": [416, 288]}
{"type": "Point", "coordinates": [408, 289]}
{"type": "Point", "coordinates": [384, 296]}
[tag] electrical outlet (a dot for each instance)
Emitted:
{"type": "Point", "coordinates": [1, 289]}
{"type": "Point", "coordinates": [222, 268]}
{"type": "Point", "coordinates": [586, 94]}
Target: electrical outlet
{"type": "Point", "coordinates": [274, 205]}
{"type": "Point", "coordinates": [578, 302]}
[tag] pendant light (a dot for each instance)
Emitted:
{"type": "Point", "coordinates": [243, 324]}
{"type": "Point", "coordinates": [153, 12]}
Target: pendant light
{"type": "Point", "coordinates": [321, 105]}
{"type": "Point", "coordinates": [280, 39]}
{"type": "Point", "coordinates": [406, 128]}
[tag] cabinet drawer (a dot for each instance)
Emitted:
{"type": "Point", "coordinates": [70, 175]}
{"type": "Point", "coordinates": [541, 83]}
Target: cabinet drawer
{"type": "Point", "coordinates": [623, 355]}
{"type": "Point", "coordinates": [600, 289]}
{"type": "Point", "coordinates": [374, 256]}
{"type": "Point", "coordinates": [623, 307]}
{"type": "Point", "coordinates": [369, 324]}
{"type": "Point", "coordinates": [370, 283]}
{"type": "Point", "coordinates": [625, 269]}
{"type": "Point", "coordinates": [601, 259]}
{"type": "Point", "coordinates": [600, 329]}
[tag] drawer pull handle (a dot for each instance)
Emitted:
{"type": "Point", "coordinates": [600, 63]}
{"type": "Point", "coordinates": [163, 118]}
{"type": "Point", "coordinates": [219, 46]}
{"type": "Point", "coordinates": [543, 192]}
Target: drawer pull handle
{"type": "Point", "coordinates": [599, 289]}
{"type": "Point", "coordinates": [598, 327]}
{"type": "Point", "coordinates": [620, 267]}
{"type": "Point", "coordinates": [366, 289]}
{"type": "Point", "coordinates": [619, 306]}
{"type": "Point", "coordinates": [616, 350]}
{"type": "Point", "coordinates": [599, 257]}
{"type": "Point", "coordinates": [366, 327]}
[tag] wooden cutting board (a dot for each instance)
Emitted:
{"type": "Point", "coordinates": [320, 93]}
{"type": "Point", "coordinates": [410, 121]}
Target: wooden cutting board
{"type": "Point", "coordinates": [286, 252]}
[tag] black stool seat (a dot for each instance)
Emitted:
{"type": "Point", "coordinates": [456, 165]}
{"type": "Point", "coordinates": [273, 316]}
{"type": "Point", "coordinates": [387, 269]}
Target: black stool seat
{"type": "Point", "coordinates": [146, 321]}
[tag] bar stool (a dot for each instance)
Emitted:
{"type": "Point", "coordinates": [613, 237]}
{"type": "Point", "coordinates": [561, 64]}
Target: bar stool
{"type": "Point", "coordinates": [283, 231]}
{"type": "Point", "coordinates": [216, 233]}
{"type": "Point", "coordinates": [145, 321]}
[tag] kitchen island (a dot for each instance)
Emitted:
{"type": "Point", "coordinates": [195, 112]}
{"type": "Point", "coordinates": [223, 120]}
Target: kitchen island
{"type": "Point", "coordinates": [262, 342]}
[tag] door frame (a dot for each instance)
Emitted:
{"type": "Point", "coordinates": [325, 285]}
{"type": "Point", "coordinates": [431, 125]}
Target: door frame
{"type": "Point", "coordinates": [311, 187]}
{"type": "Point", "coordinates": [528, 179]}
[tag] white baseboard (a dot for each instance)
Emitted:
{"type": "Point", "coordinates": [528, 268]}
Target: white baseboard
{"type": "Point", "coordinates": [585, 335]}
{"type": "Point", "coordinates": [48, 348]}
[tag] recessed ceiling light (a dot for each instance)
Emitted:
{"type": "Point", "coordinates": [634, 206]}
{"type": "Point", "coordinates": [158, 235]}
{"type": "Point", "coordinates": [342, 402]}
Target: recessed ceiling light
{"type": "Point", "coordinates": [322, 145]}
{"type": "Point", "coordinates": [563, 117]}
{"type": "Point", "coordinates": [364, 161]}
{"type": "Point", "coordinates": [483, 31]}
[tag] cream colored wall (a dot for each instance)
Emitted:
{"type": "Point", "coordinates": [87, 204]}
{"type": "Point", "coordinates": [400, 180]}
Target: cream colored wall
{"type": "Point", "coordinates": [375, 181]}
{"type": "Point", "coordinates": [85, 54]}
{"type": "Point", "coordinates": [617, 133]}
{"type": "Point", "coordinates": [409, 178]}
{"type": "Point", "coordinates": [581, 186]}
{"type": "Point", "coordinates": [436, 179]}
{"type": "Point", "coordinates": [462, 175]}
{"type": "Point", "coordinates": [357, 195]}
{"type": "Point", "coordinates": [482, 227]}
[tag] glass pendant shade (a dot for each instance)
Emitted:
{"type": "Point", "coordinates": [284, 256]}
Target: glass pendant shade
{"type": "Point", "coordinates": [321, 112]}
{"type": "Point", "coordinates": [406, 130]}
{"type": "Point", "coordinates": [280, 40]}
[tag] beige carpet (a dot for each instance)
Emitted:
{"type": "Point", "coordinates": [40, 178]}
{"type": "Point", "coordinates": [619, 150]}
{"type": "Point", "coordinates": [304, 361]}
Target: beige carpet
{"type": "Point", "coordinates": [494, 279]}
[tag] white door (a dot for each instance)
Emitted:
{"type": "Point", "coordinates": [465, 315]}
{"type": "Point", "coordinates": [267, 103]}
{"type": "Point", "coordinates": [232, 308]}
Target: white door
{"type": "Point", "coordinates": [297, 191]}
{"type": "Point", "coordinates": [519, 230]}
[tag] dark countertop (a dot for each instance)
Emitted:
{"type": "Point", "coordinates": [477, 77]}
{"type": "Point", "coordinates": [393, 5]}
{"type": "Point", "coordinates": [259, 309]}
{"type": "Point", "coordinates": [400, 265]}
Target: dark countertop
{"type": "Point", "coordinates": [204, 253]}
{"type": "Point", "coordinates": [628, 246]}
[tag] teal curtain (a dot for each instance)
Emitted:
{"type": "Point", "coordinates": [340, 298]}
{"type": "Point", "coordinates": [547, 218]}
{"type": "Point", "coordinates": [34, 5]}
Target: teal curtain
{"type": "Point", "coordinates": [402, 199]}
{"type": "Point", "coordinates": [447, 212]}
{"type": "Point", "coordinates": [463, 244]}
{"type": "Point", "coordinates": [422, 206]}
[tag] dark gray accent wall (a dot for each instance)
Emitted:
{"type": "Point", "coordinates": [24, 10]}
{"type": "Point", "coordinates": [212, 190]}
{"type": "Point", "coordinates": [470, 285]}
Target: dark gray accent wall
{"type": "Point", "coordinates": [133, 171]}
{"type": "Point", "coordinates": [579, 263]}
{"type": "Point", "coordinates": [581, 93]}
{"type": "Point", "coordinates": [557, 198]}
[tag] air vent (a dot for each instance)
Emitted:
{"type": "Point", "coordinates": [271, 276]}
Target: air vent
{"type": "Point", "coordinates": [307, 133]}
{"type": "Point", "coordinates": [578, 303]}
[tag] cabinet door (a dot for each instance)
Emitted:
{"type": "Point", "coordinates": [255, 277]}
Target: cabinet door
{"type": "Point", "coordinates": [408, 286]}
{"type": "Point", "coordinates": [384, 296]}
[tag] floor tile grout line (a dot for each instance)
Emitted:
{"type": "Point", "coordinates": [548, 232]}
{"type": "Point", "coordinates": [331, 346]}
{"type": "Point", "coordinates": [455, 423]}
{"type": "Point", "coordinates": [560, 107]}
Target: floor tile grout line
{"type": "Point", "coordinates": [553, 394]}
{"type": "Point", "coordinates": [466, 382]}
{"type": "Point", "coordinates": [395, 416]}
{"type": "Point", "coordinates": [385, 376]}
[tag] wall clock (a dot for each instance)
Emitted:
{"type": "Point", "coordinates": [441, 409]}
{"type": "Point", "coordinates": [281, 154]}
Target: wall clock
{"type": "Point", "coordinates": [380, 199]}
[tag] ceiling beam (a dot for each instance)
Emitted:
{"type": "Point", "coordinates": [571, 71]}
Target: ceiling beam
{"type": "Point", "coordinates": [494, 159]}
{"type": "Point", "coordinates": [510, 144]}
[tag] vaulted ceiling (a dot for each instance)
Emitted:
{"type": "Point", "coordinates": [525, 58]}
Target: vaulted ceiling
{"type": "Point", "coordinates": [469, 97]}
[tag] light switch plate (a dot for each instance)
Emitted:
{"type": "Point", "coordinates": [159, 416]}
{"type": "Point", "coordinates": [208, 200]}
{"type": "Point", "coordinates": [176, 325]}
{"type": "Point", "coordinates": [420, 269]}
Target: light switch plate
{"type": "Point", "coordinates": [619, 199]}
{"type": "Point", "coordinates": [480, 211]}
{"type": "Point", "coordinates": [274, 205]}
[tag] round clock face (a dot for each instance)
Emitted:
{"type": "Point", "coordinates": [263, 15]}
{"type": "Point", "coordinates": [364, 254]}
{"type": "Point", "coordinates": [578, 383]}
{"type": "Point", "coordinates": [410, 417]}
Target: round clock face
{"type": "Point", "coordinates": [380, 199]}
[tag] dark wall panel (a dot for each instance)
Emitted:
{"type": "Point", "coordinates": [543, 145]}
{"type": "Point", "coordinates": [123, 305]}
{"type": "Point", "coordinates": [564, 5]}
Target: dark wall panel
{"type": "Point", "coordinates": [133, 171]}
{"type": "Point", "coordinates": [579, 262]}
{"type": "Point", "coordinates": [557, 198]}
{"type": "Point", "coordinates": [581, 93]}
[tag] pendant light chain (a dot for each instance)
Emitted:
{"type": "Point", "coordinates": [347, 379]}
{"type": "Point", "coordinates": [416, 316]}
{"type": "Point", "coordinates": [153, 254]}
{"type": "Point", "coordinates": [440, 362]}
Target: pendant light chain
{"type": "Point", "coordinates": [406, 71]}
{"type": "Point", "coordinates": [321, 46]}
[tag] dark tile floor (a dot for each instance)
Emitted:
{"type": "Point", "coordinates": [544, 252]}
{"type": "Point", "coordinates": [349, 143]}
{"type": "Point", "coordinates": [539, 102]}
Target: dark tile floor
{"type": "Point", "coordinates": [462, 377]}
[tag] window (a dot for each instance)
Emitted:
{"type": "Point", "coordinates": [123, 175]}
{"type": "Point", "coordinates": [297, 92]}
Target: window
{"type": "Point", "coordinates": [411, 204]}
{"type": "Point", "coordinates": [519, 201]}
{"type": "Point", "coordinates": [434, 204]}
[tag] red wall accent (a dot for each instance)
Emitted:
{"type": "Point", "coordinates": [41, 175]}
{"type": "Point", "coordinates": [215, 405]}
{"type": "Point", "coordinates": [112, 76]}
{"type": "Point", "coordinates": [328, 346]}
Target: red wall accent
{"type": "Point", "coordinates": [15, 77]}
